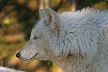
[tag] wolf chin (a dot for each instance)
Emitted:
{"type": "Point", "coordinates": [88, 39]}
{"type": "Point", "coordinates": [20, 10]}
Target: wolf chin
{"type": "Point", "coordinates": [75, 41]}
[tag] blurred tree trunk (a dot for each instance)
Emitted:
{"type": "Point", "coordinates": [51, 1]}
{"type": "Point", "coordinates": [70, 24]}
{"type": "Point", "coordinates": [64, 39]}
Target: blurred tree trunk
{"type": "Point", "coordinates": [41, 5]}
{"type": "Point", "coordinates": [74, 5]}
{"type": "Point", "coordinates": [44, 4]}
{"type": "Point", "coordinates": [47, 3]}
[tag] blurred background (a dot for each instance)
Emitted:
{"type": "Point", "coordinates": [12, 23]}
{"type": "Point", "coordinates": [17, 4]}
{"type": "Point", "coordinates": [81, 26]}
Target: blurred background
{"type": "Point", "coordinates": [17, 17]}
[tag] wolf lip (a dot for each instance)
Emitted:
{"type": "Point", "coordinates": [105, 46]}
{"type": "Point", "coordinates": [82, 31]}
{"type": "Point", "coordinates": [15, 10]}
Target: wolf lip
{"type": "Point", "coordinates": [34, 56]}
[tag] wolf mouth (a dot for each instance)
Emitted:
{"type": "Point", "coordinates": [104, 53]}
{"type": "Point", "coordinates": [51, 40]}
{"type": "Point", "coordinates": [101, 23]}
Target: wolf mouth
{"type": "Point", "coordinates": [34, 56]}
{"type": "Point", "coordinates": [30, 58]}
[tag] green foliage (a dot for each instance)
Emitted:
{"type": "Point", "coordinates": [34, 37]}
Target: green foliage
{"type": "Point", "coordinates": [2, 40]}
{"type": "Point", "coordinates": [2, 25]}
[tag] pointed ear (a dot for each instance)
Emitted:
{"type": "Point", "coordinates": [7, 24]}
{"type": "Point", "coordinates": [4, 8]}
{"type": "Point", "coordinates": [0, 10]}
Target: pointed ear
{"type": "Point", "coordinates": [42, 13]}
{"type": "Point", "coordinates": [49, 15]}
{"type": "Point", "coordinates": [51, 19]}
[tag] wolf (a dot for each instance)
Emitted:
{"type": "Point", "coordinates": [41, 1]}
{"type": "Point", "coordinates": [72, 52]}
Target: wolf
{"type": "Point", "coordinates": [75, 41]}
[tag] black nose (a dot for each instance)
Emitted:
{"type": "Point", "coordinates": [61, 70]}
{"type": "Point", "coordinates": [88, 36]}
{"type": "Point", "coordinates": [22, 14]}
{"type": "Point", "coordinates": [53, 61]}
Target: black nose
{"type": "Point", "coordinates": [18, 55]}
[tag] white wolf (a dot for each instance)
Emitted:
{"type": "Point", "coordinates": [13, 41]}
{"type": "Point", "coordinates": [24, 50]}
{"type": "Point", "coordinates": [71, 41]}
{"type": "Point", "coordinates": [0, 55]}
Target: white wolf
{"type": "Point", "coordinates": [75, 41]}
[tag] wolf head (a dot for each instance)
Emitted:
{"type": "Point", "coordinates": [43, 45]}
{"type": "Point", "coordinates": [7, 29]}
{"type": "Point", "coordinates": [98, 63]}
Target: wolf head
{"type": "Point", "coordinates": [43, 38]}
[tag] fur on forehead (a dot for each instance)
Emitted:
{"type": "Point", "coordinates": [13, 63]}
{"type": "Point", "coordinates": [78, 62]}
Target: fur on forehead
{"type": "Point", "coordinates": [38, 26]}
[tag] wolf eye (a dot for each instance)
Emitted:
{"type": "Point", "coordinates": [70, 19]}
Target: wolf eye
{"type": "Point", "coordinates": [35, 37]}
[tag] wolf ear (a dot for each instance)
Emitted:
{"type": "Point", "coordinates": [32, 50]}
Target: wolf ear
{"type": "Point", "coordinates": [49, 15]}
{"type": "Point", "coordinates": [42, 13]}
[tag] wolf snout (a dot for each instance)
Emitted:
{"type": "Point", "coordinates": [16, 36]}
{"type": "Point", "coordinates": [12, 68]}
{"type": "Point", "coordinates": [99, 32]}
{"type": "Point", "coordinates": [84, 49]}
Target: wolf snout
{"type": "Point", "coordinates": [18, 55]}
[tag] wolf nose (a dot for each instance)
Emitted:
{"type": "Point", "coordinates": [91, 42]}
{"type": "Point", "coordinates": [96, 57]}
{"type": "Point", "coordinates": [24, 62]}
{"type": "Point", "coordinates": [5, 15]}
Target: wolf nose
{"type": "Point", "coordinates": [18, 55]}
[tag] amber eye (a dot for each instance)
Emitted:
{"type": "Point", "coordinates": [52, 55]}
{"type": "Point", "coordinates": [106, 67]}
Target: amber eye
{"type": "Point", "coordinates": [35, 37]}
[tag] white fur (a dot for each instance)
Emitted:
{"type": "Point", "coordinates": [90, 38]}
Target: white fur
{"type": "Point", "coordinates": [75, 41]}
